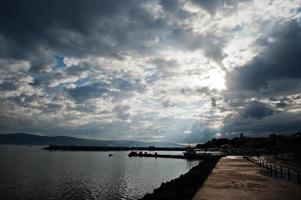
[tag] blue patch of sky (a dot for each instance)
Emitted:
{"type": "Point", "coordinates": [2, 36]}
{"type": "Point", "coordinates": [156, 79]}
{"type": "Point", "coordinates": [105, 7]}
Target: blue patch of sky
{"type": "Point", "coordinates": [82, 82]}
{"type": "Point", "coordinates": [61, 87]}
{"type": "Point", "coordinates": [39, 79]}
{"type": "Point", "coordinates": [59, 61]}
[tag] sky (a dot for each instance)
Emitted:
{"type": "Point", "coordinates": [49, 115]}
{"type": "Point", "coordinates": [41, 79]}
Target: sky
{"type": "Point", "coordinates": [172, 70]}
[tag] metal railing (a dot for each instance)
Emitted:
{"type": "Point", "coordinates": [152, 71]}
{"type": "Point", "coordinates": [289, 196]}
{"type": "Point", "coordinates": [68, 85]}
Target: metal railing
{"type": "Point", "coordinates": [277, 171]}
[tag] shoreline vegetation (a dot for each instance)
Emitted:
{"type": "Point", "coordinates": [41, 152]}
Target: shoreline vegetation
{"type": "Point", "coordinates": [185, 186]}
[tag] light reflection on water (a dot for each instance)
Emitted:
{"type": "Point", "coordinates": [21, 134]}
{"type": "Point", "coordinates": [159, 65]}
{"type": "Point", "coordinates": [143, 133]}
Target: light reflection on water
{"type": "Point", "coordinates": [32, 173]}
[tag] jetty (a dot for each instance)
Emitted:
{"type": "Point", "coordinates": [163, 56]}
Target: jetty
{"type": "Point", "coordinates": [155, 155]}
{"type": "Point", "coordinates": [196, 156]}
{"type": "Point", "coordinates": [190, 153]}
{"type": "Point", "coordinates": [235, 178]}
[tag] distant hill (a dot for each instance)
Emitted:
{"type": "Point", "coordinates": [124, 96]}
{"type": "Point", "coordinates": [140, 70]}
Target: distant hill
{"type": "Point", "coordinates": [29, 139]}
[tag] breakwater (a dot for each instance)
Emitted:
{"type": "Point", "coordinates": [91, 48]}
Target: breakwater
{"type": "Point", "coordinates": [200, 156]}
{"type": "Point", "coordinates": [186, 185]}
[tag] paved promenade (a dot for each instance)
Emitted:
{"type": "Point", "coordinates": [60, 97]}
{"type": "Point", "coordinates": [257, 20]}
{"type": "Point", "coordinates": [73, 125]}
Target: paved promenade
{"type": "Point", "coordinates": [235, 178]}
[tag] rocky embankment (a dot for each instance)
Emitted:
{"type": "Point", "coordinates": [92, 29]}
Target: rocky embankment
{"type": "Point", "coordinates": [186, 185]}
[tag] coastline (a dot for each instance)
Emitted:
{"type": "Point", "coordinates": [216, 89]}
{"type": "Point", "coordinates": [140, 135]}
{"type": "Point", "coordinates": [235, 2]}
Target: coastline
{"type": "Point", "coordinates": [185, 186]}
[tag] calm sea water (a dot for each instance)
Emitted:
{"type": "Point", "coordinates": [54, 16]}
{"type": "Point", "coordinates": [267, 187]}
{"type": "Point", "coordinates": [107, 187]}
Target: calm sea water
{"type": "Point", "coordinates": [32, 173]}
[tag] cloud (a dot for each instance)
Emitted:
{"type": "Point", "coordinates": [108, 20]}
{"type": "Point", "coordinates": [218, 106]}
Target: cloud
{"type": "Point", "coordinates": [273, 76]}
{"type": "Point", "coordinates": [257, 110]}
{"type": "Point", "coordinates": [122, 111]}
{"type": "Point", "coordinates": [278, 62]}
{"type": "Point", "coordinates": [99, 28]}
{"type": "Point", "coordinates": [115, 69]}
{"type": "Point", "coordinates": [212, 6]}
{"type": "Point", "coordinates": [87, 92]}
{"type": "Point", "coordinates": [287, 122]}
{"type": "Point", "coordinates": [213, 101]}
{"type": "Point", "coordinates": [209, 5]}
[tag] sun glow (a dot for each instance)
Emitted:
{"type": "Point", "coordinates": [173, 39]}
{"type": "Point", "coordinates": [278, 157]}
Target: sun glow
{"type": "Point", "coordinates": [216, 80]}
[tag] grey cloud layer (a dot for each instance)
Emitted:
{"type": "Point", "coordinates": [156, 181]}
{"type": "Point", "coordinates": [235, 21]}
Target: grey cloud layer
{"type": "Point", "coordinates": [115, 69]}
{"type": "Point", "coordinates": [278, 61]}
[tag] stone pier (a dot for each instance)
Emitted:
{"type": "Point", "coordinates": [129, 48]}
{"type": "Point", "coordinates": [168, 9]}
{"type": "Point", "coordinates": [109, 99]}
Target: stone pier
{"type": "Point", "coordinates": [235, 178]}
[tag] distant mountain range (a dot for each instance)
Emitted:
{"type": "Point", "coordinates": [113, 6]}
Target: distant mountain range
{"type": "Point", "coordinates": [29, 139]}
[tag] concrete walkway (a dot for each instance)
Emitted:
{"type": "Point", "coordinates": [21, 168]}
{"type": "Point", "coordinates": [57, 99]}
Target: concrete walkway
{"type": "Point", "coordinates": [235, 178]}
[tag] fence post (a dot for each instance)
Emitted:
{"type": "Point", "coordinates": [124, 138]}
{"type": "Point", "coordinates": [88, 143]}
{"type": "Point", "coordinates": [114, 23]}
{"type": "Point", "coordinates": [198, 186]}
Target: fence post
{"type": "Point", "coordinates": [271, 170]}
{"type": "Point", "coordinates": [275, 168]}
{"type": "Point", "coordinates": [288, 174]}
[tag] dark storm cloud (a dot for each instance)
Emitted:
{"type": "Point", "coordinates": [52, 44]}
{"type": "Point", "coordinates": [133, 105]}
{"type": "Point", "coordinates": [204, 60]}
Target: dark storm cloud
{"type": "Point", "coordinates": [87, 92]}
{"type": "Point", "coordinates": [31, 30]}
{"type": "Point", "coordinates": [274, 74]}
{"type": "Point", "coordinates": [277, 68]}
{"type": "Point", "coordinates": [171, 5]}
{"type": "Point", "coordinates": [283, 102]}
{"type": "Point", "coordinates": [257, 110]}
{"type": "Point", "coordinates": [117, 88]}
{"type": "Point", "coordinates": [284, 122]}
{"type": "Point", "coordinates": [258, 118]}
{"type": "Point", "coordinates": [174, 8]}
{"type": "Point", "coordinates": [36, 30]}
{"type": "Point", "coordinates": [8, 84]}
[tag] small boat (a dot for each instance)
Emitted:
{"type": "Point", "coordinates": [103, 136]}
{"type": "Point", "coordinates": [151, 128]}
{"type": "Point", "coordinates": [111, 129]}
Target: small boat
{"type": "Point", "coordinates": [110, 155]}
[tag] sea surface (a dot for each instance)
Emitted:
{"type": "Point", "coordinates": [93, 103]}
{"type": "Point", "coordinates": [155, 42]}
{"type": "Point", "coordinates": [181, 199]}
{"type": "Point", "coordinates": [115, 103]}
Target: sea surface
{"type": "Point", "coordinates": [32, 173]}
